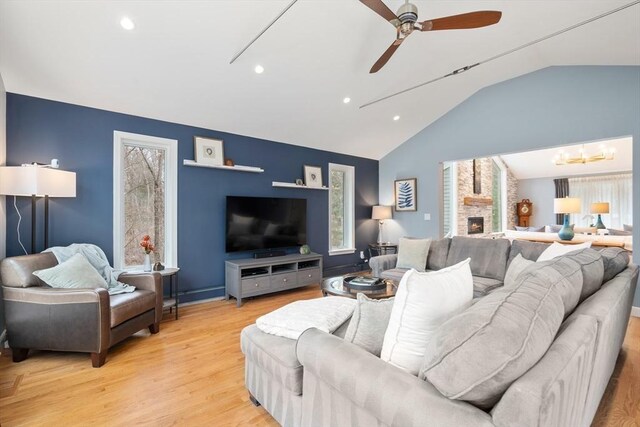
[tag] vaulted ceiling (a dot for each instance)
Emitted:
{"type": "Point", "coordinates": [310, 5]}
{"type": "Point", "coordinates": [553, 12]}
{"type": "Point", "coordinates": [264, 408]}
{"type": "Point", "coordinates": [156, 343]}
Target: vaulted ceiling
{"type": "Point", "coordinates": [174, 65]}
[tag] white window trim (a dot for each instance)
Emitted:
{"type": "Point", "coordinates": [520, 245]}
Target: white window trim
{"type": "Point", "coordinates": [349, 208]}
{"type": "Point", "coordinates": [171, 194]}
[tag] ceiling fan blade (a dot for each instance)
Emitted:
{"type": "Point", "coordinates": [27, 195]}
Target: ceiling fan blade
{"type": "Point", "coordinates": [381, 9]}
{"type": "Point", "coordinates": [385, 56]}
{"type": "Point", "coordinates": [478, 19]}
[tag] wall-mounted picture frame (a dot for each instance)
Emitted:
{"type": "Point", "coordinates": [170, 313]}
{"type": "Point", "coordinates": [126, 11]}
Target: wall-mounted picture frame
{"type": "Point", "coordinates": [405, 192]}
{"type": "Point", "coordinates": [208, 151]}
{"type": "Point", "coordinates": [477, 176]}
{"type": "Point", "coordinates": [313, 176]}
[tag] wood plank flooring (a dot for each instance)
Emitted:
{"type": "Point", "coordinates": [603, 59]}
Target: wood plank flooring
{"type": "Point", "coordinates": [192, 374]}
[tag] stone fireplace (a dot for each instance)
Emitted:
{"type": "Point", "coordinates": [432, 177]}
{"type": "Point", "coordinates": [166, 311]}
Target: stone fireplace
{"type": "Point", "coordinates": [475, 225]}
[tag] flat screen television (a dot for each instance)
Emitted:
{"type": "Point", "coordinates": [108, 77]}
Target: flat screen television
{"type": "Point", "coordinates": [263, 223]}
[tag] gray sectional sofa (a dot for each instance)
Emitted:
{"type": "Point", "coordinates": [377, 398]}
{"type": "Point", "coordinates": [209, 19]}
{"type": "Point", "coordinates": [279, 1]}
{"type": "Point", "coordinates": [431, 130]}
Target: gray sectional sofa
{"type": "Point", "coordinates": [322, 380]}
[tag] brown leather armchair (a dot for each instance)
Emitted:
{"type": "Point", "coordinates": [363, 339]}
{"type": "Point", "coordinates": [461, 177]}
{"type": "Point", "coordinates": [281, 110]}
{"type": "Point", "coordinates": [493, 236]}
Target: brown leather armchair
{"type": "Point", "coordinates": [81, 320]}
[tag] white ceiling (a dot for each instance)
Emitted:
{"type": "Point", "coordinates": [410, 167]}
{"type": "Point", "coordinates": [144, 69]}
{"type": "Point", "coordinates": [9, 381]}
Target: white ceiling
{"type": "Point", "coordinates": [538, 164]}
{"type": "Point", "coordinates": [175, 65]}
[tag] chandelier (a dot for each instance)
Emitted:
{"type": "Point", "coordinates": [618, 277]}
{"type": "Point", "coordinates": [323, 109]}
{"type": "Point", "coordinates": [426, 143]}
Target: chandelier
{"type": "Point", "coordinates": [565, 158]}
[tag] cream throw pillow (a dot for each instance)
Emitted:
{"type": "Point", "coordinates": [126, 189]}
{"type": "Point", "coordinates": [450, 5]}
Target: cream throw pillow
{"type": "Point", "coordinates": [423, 302]}
{"type": "Point", "coordinates": [556, 249]}
{"type": "Point", "coordinates": [517, 266]}
{"type": "Point", "coordinates": [412, 253]}
{"type": "Point", "coordinates": [74, 273]}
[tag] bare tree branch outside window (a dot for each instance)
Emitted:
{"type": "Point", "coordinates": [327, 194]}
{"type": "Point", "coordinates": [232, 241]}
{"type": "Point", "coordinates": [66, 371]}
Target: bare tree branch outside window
{"type": "Point", "coordinates": [144, 202]}
{"type": "Point", "coordinates": [336, 182]}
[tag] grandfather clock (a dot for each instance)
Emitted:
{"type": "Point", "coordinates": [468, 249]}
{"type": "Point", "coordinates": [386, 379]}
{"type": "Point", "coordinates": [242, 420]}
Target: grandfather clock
{"type": "Point", "coordinates": [524, 209]}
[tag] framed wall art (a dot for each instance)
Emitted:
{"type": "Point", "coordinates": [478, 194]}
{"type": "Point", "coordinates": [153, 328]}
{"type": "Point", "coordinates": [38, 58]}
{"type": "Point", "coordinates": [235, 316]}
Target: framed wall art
{"type": "Point", "coordinates": [313, 176]}
{"type": "Point", "coordinates": [405, 194]}
{"type": "Point", "coordinates": [208, 151]}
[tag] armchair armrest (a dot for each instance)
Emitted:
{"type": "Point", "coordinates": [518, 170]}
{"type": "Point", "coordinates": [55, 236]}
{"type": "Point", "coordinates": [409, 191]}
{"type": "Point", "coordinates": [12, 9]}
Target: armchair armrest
{"type": "Point", "coordinates": [382, 263]}
{"type": "Point", "coordinates": [58, 319]}
{"type": "Point", "coordinates": [148, 282]}
{"type": "Point", "coordinates": [391, 395]}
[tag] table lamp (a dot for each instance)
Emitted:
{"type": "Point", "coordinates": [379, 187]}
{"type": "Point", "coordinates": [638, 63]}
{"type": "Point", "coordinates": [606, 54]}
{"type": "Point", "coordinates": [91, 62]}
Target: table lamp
{"type": "Point", "coordinates": [37, 181]}
{"type": "Point", "coordinates": [566, 206]}
{"type": "Point", "coordinates": [380, 213]}
{"type": "Point", "coordinates": [600, 208]}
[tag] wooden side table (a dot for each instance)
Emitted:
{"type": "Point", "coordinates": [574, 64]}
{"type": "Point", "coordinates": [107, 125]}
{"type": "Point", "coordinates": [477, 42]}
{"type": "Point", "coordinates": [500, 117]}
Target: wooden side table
{"type": "Point", "coordinates": [376, 249]}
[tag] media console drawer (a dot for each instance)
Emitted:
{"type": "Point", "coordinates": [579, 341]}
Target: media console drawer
{"type": "Point", "coordinates": [256, 285]}
{"type": "Point", "coordinates": [309, 276]}
{"type": "Point", "coordinates": [283, 280]}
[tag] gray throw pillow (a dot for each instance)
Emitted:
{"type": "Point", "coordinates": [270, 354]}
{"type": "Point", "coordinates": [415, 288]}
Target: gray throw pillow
{"type": "Point", "coordinates": [74, 273]}
{"type": "Point", "coordinates": [592, 267]}
{"type": "Point", "coordinates": [556, 228]}
{"type": "Point", "coordinates": [615, 260]}
{"type": "Point", "coordinates": [627, 227]}
{"type": "Point", "coordinates": [369, 323]}
{"type": "Point", "coordinates": [614, 232]}
{"type": "Point", "coordinates": [476, 355]}
{"type": "Point", "coordinates": [516, 267]}
{"type": "Point", "coordinates": [536, 229]}
{"type": "Point", "coordinates": [412, 253]}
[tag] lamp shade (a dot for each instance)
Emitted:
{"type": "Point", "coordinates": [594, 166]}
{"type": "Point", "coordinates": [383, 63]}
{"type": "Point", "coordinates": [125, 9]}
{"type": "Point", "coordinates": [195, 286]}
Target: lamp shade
{"type": "Point", "coordinates": [600, 208]}
{"type": "Point", "coordinates": [567, 205]}
{"type": "Point", "coordinates": [39, 181]}
{"type": "Point", "coordinates": [381, 212]}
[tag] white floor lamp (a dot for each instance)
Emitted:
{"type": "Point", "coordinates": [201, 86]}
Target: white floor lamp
{"type": "Point", "coordinates": [37, 181]}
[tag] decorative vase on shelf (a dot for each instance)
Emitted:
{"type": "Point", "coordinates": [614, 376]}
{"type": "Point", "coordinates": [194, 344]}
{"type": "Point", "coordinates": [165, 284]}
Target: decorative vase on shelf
{"type": "Point", "coordinates": [146, 266]}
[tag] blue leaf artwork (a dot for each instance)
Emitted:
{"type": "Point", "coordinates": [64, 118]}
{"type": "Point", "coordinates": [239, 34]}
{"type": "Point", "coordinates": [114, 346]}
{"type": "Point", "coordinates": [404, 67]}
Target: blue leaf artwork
{"type": "Point", "coordinates": [406, 195]}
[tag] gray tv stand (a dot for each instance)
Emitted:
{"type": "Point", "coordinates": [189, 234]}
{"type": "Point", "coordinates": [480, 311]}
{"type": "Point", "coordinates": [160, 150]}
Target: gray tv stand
{"type": "Point", "coordinates": [252, 277]}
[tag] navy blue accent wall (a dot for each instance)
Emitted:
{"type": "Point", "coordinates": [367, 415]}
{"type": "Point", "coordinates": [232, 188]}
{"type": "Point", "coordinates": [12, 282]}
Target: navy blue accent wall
{"type": "Point", "coordinates": [82, 139]}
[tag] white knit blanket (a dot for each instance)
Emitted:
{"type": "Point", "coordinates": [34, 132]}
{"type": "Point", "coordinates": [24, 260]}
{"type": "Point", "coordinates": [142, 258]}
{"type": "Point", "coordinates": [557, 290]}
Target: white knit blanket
{"type": "Point", "coordinates": [290, 321]}
{"type": "Point", "coordinates": [98, 260]}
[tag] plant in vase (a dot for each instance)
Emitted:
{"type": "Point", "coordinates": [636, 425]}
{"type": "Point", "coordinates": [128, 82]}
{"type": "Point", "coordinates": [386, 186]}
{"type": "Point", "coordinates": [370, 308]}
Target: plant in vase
{"type": "Point", "coordinates": [148, 247]}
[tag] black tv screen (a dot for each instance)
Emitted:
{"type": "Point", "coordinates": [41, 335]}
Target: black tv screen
{"type": "Point", "coordinates": [261, 223]}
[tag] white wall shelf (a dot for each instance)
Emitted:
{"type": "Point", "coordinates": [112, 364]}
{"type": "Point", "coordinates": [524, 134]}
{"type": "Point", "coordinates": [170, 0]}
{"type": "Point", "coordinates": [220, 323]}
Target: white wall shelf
{"type": "Point", "coordinates": [294, 185]}
{"type": "Point", "coordinates": [237, 168]}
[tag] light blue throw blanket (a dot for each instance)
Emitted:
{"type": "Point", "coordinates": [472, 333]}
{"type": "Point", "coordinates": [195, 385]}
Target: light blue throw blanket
{"type": "Point", "coordinates": [98, 260]}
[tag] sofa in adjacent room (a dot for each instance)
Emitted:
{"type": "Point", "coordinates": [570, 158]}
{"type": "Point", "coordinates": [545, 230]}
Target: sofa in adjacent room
{"type": "Point", "coordinates": [321, 379]}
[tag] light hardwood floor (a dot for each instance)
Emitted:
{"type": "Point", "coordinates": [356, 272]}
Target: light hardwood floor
{"type": "Point", "coordinates": [191, 374]}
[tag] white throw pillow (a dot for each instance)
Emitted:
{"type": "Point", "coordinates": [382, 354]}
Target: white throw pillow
{"type": "Point", "coordinates": [556, 249]}
{"type": "Point", "coordinates": [412, 253]}
{"type": "Point", "coordinates": [423, 302]}
{"type": "Point", "coordinates": [75, 273]}
{"type": "Point", "coordinates": [517, 266]}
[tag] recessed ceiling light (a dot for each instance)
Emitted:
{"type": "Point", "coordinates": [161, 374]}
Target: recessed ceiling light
{"type": "Point", "coordinates": [259, 69]}
{"type": "Point", "coordinates": [127, 23]}
{"type": "Point", "coordinates": [396, 118]}
{"type": "Point", "coordinates": [346, 100]}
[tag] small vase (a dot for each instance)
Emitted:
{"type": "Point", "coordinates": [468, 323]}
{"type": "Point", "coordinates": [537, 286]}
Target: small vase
{"type": "Point", "coordinates": [147, 263]}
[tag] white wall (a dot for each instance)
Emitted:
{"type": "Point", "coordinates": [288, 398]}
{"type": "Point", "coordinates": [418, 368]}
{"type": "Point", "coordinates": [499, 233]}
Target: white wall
{"type": "Point", "coordinates": [540, 191]}
{"type": "Point", "coordinates": [3, 159]}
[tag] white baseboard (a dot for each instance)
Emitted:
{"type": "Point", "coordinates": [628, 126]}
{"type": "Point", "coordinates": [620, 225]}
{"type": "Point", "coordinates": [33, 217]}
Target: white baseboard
{"type": "Point", "coordinates": [635, 311]}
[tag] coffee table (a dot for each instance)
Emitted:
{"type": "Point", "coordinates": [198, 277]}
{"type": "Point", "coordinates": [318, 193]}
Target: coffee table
{"type": "Point", "coordinates": [335, 286]}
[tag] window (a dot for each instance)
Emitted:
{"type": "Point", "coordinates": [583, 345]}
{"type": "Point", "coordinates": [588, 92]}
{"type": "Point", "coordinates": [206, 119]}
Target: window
{"type": "Point", "coordinates": [144, 198]}
{"type": "Point", "coordinates": [341, 209]}
{"type": "Point", "coordinates": [448, 198]}
{"type": "Point", "coordinates": [615, 189]}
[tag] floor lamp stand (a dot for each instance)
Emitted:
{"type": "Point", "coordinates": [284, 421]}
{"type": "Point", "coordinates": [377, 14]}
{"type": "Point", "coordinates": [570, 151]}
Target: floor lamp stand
{"type": "Point", "coordinates": [34, 200]}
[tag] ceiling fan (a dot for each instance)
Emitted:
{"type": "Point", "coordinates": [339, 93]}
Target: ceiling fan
{"type": "Point", "coordinates": [406, 22]}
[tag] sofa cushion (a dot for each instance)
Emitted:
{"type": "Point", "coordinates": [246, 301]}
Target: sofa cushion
{"type": "Point", "coordinates": [616, 232]}
{"type": "Point", "coordinates": [369, 323]}
{"type": "Point", "coordinates": [422, 303]}
{"type": "Point", "coordinates": [516, 267]}
{"type": "Point", "coordinates": [75, 273]}
{"type": "Point", "coordinates": [535, 229]}
{"type": "Point", "coordinates": [528, 250]}
{"type": "Point", "coordinates": [592, 267]}
{"type": "Point", "coordinates": [488, 256]}
{"type": "Point", "coordinates": [555, 228]}
{"type": "Point", "coordinates": [615, 260]}
{"type": "Point", "coordinates": [438, 251]}
{"type": "Point", "coordinates": [558, 249]}
{"type": "Point", "coordinates": [483, 285]}
{"type": "Point", "coordinates": [412, 253]}
{"type": "Point", "coordinates": [627, 227]}
{"type": "Point", "coordinates": [394, 274]}
{"type": "Point", "coordinates": [276, 355]}
{"type": "Point", "coordinates": [478, 353]}
{"type": "Point", "coordinates": [129, 305]}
